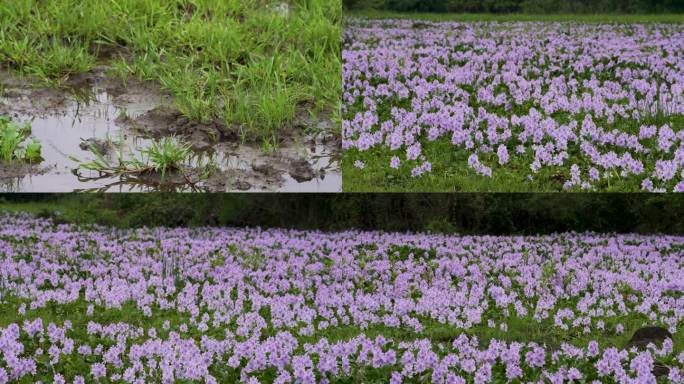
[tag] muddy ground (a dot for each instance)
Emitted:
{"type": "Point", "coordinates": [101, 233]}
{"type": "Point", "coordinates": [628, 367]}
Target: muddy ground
{"type": "Point", "coordinates": [96, 110]}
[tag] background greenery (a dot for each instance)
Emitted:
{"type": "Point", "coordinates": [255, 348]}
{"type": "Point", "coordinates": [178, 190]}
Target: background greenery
{"type": "Point", "coordinates": [463, 213]}
{"type": "Point", "coordinates": [524, 6]}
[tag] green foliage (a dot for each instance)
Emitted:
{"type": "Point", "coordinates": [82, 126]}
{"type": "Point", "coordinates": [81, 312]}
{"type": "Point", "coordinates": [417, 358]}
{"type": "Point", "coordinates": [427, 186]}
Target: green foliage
{"type": "Point", "coordinates": [12, 142]}
{"type": "Point", "coordinates": [33, 151]}
{"type": "Point", "coordinates": [478, 213]}
{"type": "Point", "coordinates": [521, 6]}
{"type": "Point", "coordinates": [440, 226]}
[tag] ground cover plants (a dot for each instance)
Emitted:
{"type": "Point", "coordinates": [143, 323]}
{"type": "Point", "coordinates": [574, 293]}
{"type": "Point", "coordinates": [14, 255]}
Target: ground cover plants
{"type": "Point", "coordinates": [166, 154]}
{"type": "Point", "coordinates": [15, 144]}
{"type": "Point", "coordinates": [93, 304]}
{"type": "Point", "coordinates": [156, 160]}
{"type": "Point", "coordinates": [513, 106]}
{"type": "Point", "coordinates": [253, 64]}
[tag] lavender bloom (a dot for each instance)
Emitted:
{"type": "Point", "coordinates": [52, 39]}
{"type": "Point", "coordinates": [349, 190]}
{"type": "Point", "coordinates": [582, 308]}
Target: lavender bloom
{"type": "Point", "coordinates": [395, 162]}
{"type": "Point", "coordinates": [502, 153]}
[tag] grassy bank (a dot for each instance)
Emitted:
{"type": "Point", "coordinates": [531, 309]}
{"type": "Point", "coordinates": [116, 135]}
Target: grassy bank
{"type": "Point", "coordinates": [255, 64]}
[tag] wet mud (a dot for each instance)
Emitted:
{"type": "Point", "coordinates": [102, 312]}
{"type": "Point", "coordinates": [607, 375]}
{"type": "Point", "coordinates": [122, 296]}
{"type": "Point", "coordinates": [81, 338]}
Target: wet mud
{"type": "Point", "coordinates": [96, 111]}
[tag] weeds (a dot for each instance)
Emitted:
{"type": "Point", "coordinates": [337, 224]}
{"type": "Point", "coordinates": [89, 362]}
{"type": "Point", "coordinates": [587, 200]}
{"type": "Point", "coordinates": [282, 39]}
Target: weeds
{"type": "Point", "coordinates": [14, 145]}
{"type": "Point", "coordinates": [160, 157]}
{"type": "Point", "coordinates": [167, 154]}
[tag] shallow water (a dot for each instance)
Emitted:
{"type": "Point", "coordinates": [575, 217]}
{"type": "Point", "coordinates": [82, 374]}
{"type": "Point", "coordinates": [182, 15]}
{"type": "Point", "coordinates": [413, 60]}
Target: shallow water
{"type": "Point", "coordinates": [62, 128]}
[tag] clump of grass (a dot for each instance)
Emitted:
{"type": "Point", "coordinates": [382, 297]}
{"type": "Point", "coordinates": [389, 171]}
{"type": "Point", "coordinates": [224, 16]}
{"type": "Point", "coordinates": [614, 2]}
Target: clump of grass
{"type": "Point", "coordinates": [14, 145]}
{"type": "Point", "coordinates": [167, 154]}
{"type": "Point", "coordinates": [161, 156]}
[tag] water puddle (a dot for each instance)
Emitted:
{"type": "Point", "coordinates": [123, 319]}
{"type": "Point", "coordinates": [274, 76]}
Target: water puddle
{"type": "Point", "coordinates": [62, 121]}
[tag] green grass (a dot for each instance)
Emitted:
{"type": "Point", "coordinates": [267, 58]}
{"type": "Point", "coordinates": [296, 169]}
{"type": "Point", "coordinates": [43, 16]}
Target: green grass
{"type": "Point", "coordinates": [168, 154]}
{"type": "Point", "coordinates": [160, 157]}
{"type": "Point", "coordinates": [217, 58]}
{"type": "Point", "coordinates": [475, 17]}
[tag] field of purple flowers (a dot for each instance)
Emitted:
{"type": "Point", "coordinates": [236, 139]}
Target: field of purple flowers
{"type": "Point", "coordinates": [515, 106]}
{"type": "Point", "coordinates": [225, 305]}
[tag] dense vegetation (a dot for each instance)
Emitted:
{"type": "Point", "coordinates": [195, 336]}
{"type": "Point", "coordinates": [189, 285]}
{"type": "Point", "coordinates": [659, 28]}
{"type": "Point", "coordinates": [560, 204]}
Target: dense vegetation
{"type": "Point", "coordinates": [252, 64]}
{"type": "Point", "coordinates": [463, 213]}
{"type": "Point", "coordinates": [227, 305]}
{"type": "Point", "coordinates": [520, 107]}
{"type": "Point", "coordinates": [525, 6]}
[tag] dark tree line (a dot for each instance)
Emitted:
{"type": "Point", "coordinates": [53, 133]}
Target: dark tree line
{"type": "Point", "coordinates": [463, 213]}
{"type": "Point", "coordinates": [521, 6]}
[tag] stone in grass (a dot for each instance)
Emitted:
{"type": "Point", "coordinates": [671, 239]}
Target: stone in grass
{"type": "Point", "coordinates": [241, 185]}
{"type": "Point", "coordinates": [419, 25]}
{"type": "Point", "coordinates": [282, 9]}
{"type": "Point", "coordinates": [660, 369]}
{"type": "Point", "coordinates": [647, 335]}
{"type": "Point", "coordinates": [101, 146]}
{"type": "Point", "coordinates": [643, 336]}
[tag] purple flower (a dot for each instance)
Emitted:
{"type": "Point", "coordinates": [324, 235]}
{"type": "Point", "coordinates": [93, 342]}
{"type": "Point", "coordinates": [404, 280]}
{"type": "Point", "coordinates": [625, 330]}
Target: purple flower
{"type": "Point", "coordinates": [394, 162]}
{"type": "Point", "coordinates": [98, 370]}
{"type": "Point", "coordinates": [502, 153]}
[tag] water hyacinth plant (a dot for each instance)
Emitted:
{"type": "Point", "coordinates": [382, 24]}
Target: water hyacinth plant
{"type": "Point", "coordinates": [513, 106]}
{"type": "Point", "coordinates": [283, 306]}
{"type": "Point", "coordinates": [14, 144]}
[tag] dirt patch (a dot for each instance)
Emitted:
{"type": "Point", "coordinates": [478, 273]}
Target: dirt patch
{"type": "Point", "coordinates": [301, 170]}
{"type": "Point", "coordinates": [165, 121]}
{"type": "Point", "coordinates": [34, 101]}
{"type": "Point", "coordinates": [22, 97]}
{"type": "Point", "coordinates": [646, 335]}
{"type": "Point", "coordinates": [86, 80]}
{"type": "Point", "coordinates": [108, 52]}
{"type": "Point", "coordinates": [265, 172]}
{"type": "Point", "coordinates": [121, 92]}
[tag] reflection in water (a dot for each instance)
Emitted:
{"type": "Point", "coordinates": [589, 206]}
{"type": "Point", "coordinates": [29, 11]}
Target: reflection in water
{"type": "Point", "coordinates": [85, 117]}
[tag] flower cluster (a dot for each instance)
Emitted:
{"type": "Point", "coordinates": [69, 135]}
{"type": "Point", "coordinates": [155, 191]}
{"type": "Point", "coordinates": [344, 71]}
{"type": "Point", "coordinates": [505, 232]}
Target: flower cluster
{"type": "Point", "coordinates": [251, 305]}
{"type": "Point", "coordinates": [606, 99]}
